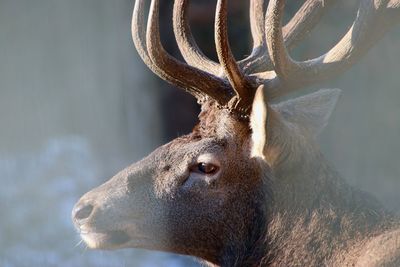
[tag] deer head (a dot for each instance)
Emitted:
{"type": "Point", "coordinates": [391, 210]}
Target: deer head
{"type": "Point", "coordinates": [209, 193]}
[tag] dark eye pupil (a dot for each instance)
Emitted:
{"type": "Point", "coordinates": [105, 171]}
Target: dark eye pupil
{"type": "Point", "coordinates": [206, 168]}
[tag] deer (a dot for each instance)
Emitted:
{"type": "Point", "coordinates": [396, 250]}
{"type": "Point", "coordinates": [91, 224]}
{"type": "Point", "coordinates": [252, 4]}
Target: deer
{"type": "Point", "coordinates": [249, 185]}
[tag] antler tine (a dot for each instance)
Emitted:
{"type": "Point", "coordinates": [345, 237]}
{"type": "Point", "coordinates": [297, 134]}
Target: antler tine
{"type": "Point", "coordinates": [294, 31]}
{"type": "Point", "coordinates": [372, 22]}
{"type": "Point", "coordinates": [139, 35]}
{"type": "Point", "coordinates": [257, 26]}
{"type": "Point", "coordinates": [168, 68]}
{"type": "Point", "coordinates": [304, 20]}
{"type": "Point", "coordinates": [283, 64]}
{"type": "Point", "coordinates": [187, 44]}
{"type": "Point", "coordinates": [242, 86]}
{"type": "Point", "coordinates": [281, 40]}
{"type": "Point", "coordinates": [139, 39]}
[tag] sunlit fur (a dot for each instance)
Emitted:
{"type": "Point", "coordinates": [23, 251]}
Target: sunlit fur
{"type": "Point", "coordinates": [274, 202]}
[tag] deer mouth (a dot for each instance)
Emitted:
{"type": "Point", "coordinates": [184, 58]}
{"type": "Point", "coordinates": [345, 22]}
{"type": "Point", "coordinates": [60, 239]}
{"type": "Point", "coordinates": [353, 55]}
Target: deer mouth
{"type": "Point", "coordinates": [106, 240]}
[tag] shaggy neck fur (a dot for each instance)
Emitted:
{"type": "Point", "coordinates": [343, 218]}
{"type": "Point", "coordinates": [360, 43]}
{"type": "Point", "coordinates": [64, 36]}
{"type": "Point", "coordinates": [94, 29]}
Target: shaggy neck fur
{"type": "Point", "coordinates": [317, 216]}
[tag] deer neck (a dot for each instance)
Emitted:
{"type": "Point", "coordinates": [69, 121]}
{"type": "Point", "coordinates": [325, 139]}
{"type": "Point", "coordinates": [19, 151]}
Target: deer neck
{"type": "Point", "coordinates": [303, 178]}
{"type": "Point", "coordinates": [313, 206]}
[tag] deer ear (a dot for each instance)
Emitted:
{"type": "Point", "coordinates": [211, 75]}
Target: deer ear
{"type": "Point", "coordinates": [258, 123]}
{"type": "Point", "coordinates": [311, 111]}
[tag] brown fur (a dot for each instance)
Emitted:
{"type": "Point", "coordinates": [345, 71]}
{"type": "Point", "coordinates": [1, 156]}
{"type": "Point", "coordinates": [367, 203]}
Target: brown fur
{"type": "Point", "coordinates": [302, 214]}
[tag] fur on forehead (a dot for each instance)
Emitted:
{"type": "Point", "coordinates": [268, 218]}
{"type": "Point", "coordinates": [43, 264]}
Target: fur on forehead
{"type": "Point", "coordinates": [221, 123]}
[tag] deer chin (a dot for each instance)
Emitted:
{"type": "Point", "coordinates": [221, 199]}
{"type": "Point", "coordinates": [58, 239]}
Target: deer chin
{"type": "Point", "coordinates": [125, 237]}
{"type": "Point", "coordinates": [106, 240]}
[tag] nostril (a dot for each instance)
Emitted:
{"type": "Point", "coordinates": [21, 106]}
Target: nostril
{"type": "Point", "coordinates": [83, 212]}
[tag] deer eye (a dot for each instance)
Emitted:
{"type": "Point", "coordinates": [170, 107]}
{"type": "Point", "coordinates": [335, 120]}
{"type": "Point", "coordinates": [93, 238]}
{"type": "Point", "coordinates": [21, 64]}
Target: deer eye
{"type": "Point", "coordinates": [206, 168]}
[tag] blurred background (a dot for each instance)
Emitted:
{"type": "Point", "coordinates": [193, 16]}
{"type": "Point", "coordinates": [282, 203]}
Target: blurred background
{"type": "Point", "coordinates": [77, 104]}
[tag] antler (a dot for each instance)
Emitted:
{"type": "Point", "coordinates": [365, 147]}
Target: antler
{"type": "Point", "coordinates": [150, 49]}
{"type": "Point", "coordinates": [295, 31]}
{"type": "Point", "coordinates": [239, 82]}
{"type": "Point", "coordinates": [374, 19]}
{"type": "Point", "coordinates": [232, 84]}
{"type": "Point", "coordinates": [187, 44]}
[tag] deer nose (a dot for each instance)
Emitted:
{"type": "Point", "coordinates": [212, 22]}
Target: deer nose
{"type": "Point", "coordinates": [82, 212]}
